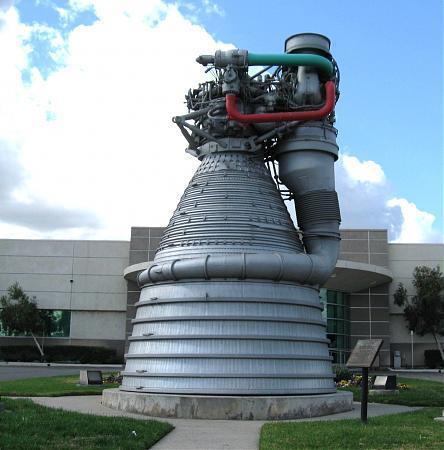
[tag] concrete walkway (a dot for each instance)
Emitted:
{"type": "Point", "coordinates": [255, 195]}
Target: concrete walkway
{"type": "Point", "coordinates": [203, 434]}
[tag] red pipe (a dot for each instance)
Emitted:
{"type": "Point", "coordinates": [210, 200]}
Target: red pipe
{"type": "Point", "coordinates": [325, 110]}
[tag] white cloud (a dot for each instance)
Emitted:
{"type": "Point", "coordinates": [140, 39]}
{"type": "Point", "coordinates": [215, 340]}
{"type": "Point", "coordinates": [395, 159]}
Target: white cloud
{"type": "Point", "coordinates": [90, 146]}
{"type": "Point", "coordinates": [367, 201]}
{"type": "Point", "coordinates": [96, 133]}
{"type": "Point", "coordinates": [211, 7]}
{"type": "Point", "coordinates": [417, 225]}
{"type": "Point", "coordinates": [363, 171]}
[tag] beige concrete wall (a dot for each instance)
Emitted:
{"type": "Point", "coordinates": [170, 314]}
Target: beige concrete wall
{"type": "Point", "coordinates": [369, 309]}
{"type": "Point", "coordinates": [364, 246]}
{"type": "Point", "coordinates": [143, 246]}
{"type": "Point", "coordinates": [85, 277]}
{"type": "Point", "coordinates": [98, 325]}
{"type": "Point", "coordinates": [403, 258]}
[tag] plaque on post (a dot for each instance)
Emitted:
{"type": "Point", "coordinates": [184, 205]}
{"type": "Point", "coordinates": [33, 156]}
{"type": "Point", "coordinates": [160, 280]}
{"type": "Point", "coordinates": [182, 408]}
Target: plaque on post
{"type": "Point", "coordinates": [363, 356]}
{"type": "Point", "coordinates": [364, 353]}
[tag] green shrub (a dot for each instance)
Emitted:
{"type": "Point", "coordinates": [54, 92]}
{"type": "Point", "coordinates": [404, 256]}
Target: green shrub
{"type": "Point", "coordinates": [433, 359]}
{"type": "Point", "coordinates": [61, 353]}
{"type": "Point", "coordinates": [342, 373]}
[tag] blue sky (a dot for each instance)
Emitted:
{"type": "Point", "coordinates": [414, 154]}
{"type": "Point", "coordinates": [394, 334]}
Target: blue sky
{"type": "Point", "coordinates": [390, 54]}
{"type": "Point", "coordinates": [391, 58]}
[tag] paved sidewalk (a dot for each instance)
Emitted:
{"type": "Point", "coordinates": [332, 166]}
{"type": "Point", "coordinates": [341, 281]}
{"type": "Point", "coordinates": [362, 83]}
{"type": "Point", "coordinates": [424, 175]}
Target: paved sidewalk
{"type": "Point", "coordinates": [203, 434]}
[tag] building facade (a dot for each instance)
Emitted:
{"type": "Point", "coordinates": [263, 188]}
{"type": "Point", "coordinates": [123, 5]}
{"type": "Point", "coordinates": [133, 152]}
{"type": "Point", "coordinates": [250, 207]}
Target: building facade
{"type": "Point", "coordinates": [79, 283]}
{"type": "Point", "coordinates": [89, 289]}
{"type": "Point", "coordinates": [403, 258]}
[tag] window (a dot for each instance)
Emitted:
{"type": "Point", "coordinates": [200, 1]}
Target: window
{"type": "Point", "coordinates": [337, 313]}
{"type": "Point", "coordinates": [56, 323]}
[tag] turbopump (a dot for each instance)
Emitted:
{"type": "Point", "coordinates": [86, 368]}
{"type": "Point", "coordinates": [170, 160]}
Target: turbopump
{"type": "Point", "coordinates": [230, 305]}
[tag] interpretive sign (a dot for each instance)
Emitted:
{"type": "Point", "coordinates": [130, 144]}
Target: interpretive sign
{"type": "Point", "coordinates": [363, 356]}
{"type": "Point", "coordinates": [364, 353]}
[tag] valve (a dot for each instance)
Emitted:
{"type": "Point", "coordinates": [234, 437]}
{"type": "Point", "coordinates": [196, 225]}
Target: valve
{"type": "Point", "coordinates": [231, 84]}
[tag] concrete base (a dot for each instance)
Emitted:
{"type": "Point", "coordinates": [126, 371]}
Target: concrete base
{"type": "Point", "coordinates": [224, 407]}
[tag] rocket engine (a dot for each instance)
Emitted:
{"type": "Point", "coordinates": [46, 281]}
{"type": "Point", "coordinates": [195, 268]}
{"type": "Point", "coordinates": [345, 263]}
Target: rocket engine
{"type": "Point", "coordinates": [230, 305]}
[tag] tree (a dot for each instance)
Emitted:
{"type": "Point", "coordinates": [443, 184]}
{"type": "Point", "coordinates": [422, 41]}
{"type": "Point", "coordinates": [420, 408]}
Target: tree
{"type": "Point", "coordinates": [424, 313]}
{"type": "Point", "coordinates": [19, 314]}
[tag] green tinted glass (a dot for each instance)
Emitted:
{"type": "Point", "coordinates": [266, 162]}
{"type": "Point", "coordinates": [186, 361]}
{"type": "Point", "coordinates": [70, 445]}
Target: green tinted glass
{"type": "Point", "coordinates": [338, 323]}
{"type": "Point", "coordinates": [54, 323]}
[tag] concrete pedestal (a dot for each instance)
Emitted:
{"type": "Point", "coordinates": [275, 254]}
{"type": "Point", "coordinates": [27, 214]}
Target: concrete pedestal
{"type": "Point", "coordinates": [224, 407]}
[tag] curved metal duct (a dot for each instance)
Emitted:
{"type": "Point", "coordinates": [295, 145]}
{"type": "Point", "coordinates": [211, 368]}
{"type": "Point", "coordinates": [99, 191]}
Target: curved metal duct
{"type": "Point", "coordinates": [231, 304]}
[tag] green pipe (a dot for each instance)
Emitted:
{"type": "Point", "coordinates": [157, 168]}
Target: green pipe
{"type": "Point", "coordinates": [300, 59]}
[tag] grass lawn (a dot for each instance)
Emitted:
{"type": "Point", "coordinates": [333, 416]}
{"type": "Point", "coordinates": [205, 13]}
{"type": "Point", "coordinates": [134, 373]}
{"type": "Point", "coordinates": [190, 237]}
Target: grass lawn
{"type": "Point", "coordinates": [419, 393]}
{"type": "Point", "coordinates": [25, 425]}
{"type": "Point", "coordinates": [414, 430]}
{"type": "Point", "coordinates": [50, 387]}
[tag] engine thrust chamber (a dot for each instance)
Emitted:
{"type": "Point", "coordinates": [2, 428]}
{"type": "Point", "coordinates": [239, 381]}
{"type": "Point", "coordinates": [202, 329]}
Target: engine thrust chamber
{"type": "Point", "coordinates": [230, 305]}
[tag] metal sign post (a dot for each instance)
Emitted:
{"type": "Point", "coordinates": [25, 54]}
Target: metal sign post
{"type": "Point", "coordinates": [363, 356]}
{"type": "Point", "coordinates": [364, 394]}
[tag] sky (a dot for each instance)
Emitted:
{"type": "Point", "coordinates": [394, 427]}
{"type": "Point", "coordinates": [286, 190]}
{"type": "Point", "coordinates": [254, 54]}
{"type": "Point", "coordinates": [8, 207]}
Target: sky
{"type": "Point", "coordinates": [88, 89]}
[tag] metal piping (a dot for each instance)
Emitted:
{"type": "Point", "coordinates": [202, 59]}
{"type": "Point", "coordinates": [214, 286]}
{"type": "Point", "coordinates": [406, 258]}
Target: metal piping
{"type": "Point", "coordinates": [309, 174]}
{"type": "Point", "coordinates": [299, 267]}
{"type": "Point", "coordinates": [243, 58]}
{"type": "Point", "coordinates": [322, 64]}
{"type": "Point", "coordinates": [325, 110]}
